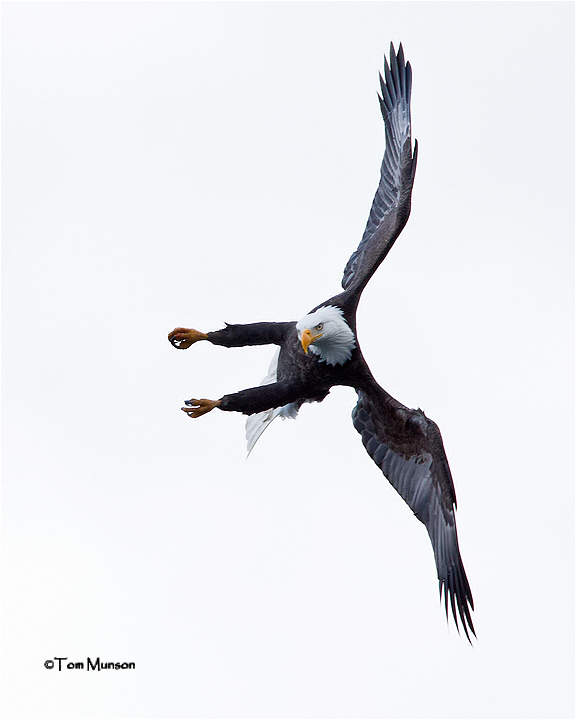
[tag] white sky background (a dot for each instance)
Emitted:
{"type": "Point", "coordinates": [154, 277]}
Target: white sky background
{"type": "Point", "coordinates": [185, 164]}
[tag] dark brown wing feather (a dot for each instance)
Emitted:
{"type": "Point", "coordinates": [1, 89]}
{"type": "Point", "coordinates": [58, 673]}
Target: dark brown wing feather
{"type": "Point", "coordinates": [391, 205]}
{"type": "Point", "coordinates": [408, 448]}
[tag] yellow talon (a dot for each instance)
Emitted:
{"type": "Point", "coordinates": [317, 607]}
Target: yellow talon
{"type": "Point", "coordinates": [196, 408]}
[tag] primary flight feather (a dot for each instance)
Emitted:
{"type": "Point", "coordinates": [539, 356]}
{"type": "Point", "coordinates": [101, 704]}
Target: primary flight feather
{"type": "Point", "coordinates": [321, 350]}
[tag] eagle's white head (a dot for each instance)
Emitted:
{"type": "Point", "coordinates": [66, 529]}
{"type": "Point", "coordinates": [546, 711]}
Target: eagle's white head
{"type": "Point", "coordinates": [326, 333]}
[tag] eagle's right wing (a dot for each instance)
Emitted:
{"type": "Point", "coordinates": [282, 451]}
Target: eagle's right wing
{"type": "Point", "coordinates": [408, 449]}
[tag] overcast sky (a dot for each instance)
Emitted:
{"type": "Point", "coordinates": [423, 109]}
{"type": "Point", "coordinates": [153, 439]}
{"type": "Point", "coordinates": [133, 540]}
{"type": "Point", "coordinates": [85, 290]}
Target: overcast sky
{"type": "Point", "coordinates": [185, 163]}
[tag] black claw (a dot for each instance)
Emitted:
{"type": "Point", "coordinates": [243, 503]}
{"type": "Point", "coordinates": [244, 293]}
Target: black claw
{"type": "Point", "coordinates": [188, 402]}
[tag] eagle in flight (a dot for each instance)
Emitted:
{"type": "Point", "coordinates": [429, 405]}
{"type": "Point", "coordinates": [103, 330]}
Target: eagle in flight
{"type": "Point", "coordinates": [322, 350]}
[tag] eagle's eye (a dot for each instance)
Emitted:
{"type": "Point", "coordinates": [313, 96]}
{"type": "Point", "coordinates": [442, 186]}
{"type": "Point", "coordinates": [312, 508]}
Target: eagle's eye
{"type": "Point", "coordinates": [319, 326]}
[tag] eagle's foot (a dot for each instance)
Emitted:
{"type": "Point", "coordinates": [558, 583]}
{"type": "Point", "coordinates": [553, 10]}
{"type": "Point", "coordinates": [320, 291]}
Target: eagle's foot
{"type": "Point", "coordinates": [196, 408]}
{"type": "Point", "coordinates": [182, 338]}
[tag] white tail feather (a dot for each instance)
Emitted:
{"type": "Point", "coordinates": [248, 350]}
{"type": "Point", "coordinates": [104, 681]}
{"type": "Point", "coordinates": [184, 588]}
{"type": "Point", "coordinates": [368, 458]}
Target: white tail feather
{"type": "Point", "coordinates": [258, 422]}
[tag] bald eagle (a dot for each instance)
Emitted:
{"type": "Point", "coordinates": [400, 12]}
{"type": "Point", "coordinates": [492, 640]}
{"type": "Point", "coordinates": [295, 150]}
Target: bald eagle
{"type": "Point", "coordinates": [321, 350]}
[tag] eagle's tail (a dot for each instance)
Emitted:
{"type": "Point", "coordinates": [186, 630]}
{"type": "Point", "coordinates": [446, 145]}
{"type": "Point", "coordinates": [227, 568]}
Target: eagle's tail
{"type": "Point", "coordinates": [258, 422]}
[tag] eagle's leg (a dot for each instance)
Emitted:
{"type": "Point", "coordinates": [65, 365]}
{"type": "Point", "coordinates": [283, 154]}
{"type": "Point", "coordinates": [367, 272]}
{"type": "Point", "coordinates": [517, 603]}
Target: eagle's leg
{"type": "Point", "coordinates": [182, 338]}
{"type": "Point", "coordinates": [265, 397]}
{"type": "Point", "coordinates": [196, 408]}
{"type": "Point", "coordinates": [252, 400]}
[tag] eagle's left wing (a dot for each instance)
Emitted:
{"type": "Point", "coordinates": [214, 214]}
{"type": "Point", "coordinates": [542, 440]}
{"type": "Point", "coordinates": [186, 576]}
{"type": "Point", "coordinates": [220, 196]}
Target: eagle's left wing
{"type": "Point", "coordinates": [391, 204]}
{"type": "Point", "coordinates": [407, 447]}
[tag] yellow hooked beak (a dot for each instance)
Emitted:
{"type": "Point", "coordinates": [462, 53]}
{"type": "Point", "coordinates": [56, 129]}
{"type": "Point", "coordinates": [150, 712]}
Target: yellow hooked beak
{"type": "Point", "coordinates": [308, 338]}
